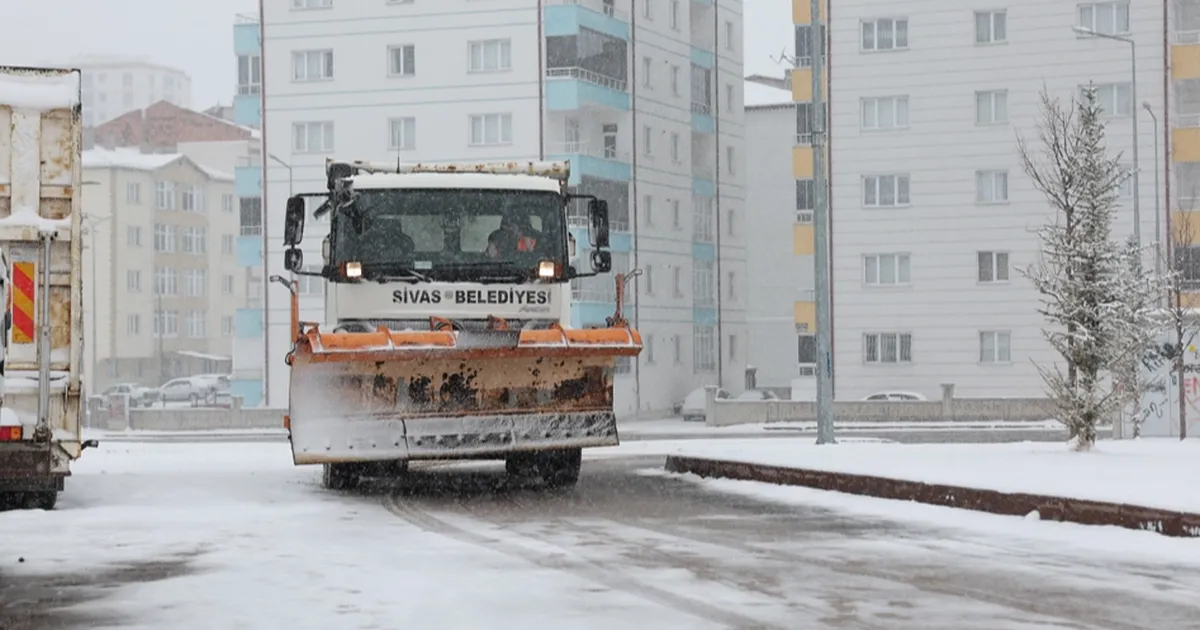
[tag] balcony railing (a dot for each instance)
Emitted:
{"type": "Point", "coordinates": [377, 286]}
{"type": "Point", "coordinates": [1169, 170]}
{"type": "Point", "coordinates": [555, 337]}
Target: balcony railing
{"type": "Point", "coordinates": [249, 88]}
{"type": "Point", "coordinates": [251, 230]}
{"type": "Point", "coordinates": [245, 18]}
{"type": "Point", "coordinates": [701, 108]}
{"type": "Point", "coordinates": [577, 216]}
{"type": "Point", "coordinates": [804, 139]}
{"type": "Point", "coordinates": [584, 74]}
{"type": "Point", "coordinates": [593, 149]}
{"type": "Point", "coordinates": [599, 6]}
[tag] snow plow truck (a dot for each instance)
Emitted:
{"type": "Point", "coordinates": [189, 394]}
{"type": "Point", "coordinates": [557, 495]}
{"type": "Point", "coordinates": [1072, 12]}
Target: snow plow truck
{"type": "Point", "coordinates": [41, 251]}
{"type": "Point", "coordinates": [448, 303]}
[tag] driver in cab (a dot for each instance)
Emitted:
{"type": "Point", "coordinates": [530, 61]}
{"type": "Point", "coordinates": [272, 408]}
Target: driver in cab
{"type": "Point", "coordinates": [511, 237]}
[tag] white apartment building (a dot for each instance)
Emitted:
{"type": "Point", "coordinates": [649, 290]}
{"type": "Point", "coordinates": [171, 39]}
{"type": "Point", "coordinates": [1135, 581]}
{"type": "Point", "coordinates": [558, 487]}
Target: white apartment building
{"type": "Point", "coordinates": [644, 97]}
{"type": "Point", "coordinates": [159, 270]}
{"type": "Point", "coordinates": [932, 214]}
{"type": "Point", "coordinates": [112, 86]}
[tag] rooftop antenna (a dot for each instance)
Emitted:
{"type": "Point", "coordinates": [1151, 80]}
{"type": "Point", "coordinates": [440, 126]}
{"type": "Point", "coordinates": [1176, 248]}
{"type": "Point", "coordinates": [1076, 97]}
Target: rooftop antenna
{"type": "Point", "coordinates": [791, 60]}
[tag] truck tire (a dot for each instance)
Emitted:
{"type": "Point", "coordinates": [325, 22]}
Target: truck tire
{"type": "Point", "coordinates": [339, 476]}
{"type": "Point", "coordinates": [44, 500]}
{"type": "Point", "coordinates": [560, 469]}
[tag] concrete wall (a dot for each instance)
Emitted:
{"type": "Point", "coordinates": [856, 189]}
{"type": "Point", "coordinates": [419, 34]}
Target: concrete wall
{"type": "Point", "coordinates": [202, 419]}
{"type": "Point", "coordinates": [723, 413]}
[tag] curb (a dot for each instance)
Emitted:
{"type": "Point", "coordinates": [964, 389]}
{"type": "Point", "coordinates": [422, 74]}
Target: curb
{"type": "Point", "coordinates": [1050, 508]}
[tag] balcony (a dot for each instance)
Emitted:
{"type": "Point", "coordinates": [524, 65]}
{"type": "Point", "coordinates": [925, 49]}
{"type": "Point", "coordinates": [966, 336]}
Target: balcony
{"type": "Point", "coordinates": [702, 120]}
{"type": "Point", "coordinates": [591, 160]}
{"type": "Point", "coordinates": [566, 17]}
{"type": "Point", "coordinates": [701, 170]}
{"type": "Point", "coordinates": [247, 37]}
{"type": "Point", "coordinates": [247, 181]}
{"type": "Point", "coordinates": [702, 58]}
{"type": "Point", "coordinates": [247, 109]}
{"type": "Point", "coordinates": [248, 323]}
{"type": "Point", "coordinates": [250, 250]}
{"type": "Point", "coordinates": [575, 88]}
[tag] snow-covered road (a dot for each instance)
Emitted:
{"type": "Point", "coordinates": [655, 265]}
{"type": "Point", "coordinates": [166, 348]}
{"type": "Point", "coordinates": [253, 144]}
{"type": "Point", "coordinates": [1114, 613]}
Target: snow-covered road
{"type": "Point", "coordinates": [232, 536]}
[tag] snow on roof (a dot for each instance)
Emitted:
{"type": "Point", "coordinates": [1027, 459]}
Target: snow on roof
{"type": "Point", "coordinates": [28, 90]}
{"type": "Point", "coordinates": [254, 133]}
{"type": "Point", "coordinates": [455, 180]}
{"type": "Point", "coordinates": [759, 94]}
{"type": "Point", "coordinates": [135, 160]}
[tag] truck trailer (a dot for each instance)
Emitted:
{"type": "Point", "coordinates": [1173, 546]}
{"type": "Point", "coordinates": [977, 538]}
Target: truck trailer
{"type": "Point", "coordinates": [448, 303]}
{"type": "Point", "coordinates": [41, 252]}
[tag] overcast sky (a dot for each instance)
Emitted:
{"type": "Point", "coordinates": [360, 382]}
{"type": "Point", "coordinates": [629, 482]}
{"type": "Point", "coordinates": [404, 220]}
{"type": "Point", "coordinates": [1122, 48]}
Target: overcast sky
{"type": "Point", "coordinates": [53, 31]}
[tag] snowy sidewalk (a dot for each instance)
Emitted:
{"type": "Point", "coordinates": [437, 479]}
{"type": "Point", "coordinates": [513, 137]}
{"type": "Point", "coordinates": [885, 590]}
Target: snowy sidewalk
{"type": "Point", "coordinates": [1158, 474]}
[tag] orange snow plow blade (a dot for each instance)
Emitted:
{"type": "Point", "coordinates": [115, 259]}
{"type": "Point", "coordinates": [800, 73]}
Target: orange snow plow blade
{"type": "Point", "coordinates": [443, 394]}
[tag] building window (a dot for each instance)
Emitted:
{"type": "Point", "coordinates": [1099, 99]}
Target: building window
{"type": "Point", "coordinates": [704, 357]}
{"type": "Point", "coordinates": [1187, 262]}
{"type": "Point", "coordinates": [991, 27]}
{"type": "Point", "coordinates": [648, 9]}
{"type": "Point", "coordinates": [731, 286]}
{"type": "Point", "coordinates": [995, 347]}
{"type": "Point", "coordinates": [227, 202]}
{"type": "Point", "coordinates": [730, 218]}
{"type": "Point", "coordinates": [885, 34]}
{"type": "Point", "coordinates": [702, 219]}
{"type": "Point", "coordinates": [133, 280]}
{"type": "Point", "coordinates": [166, 323]}
{"type": "Point", "coordinates": [166, 281]}
{"type": "Point", "coordinates": [1110, 18]}
{"type": "Point", "coordinates": [675, 218]}
{"type": "Point", "coordinates": [195, 282]}
{"type": "Point", "coordinates": [249, 74]}
{"type": "Point", "coordinates": [402, 60]}
{"type": "Point", "coordinates": [164, 195]}
{"type": "Point", "coordinates": [311, 285]}
{"type": "Point", "coordinates": [648, 279]}
{"type": "Point", "coordinates": [133, 193]}
{"type": "Point", "coordinates": [133, 324]}
{"type": "Point", "coordinates": [731, 160]}
{"type": "Point", "coordinates": [806, 349]}
{"type": "Point", "coordinates": [733, 347]}
{"type": "Point", "coordinates": [805, 44]}
{"type": "Point", "coordinates": [192, 199]}
{"type": "Point", "coordinates": [195, 240]}
{"type": "Point", "coordinates": [703, 283]}
{"type": "Point", "coordinates": [991, 186]}
{"type": "Point", "coordinates": [674, 15]}
{"type": "Point", "coordinates": [991, 107]}
{"type": "Point", "coordinates": [311, 4]}
{"type": "Point", "coordinates": [164, 238]}
{"type": "Point", "coordinates": [402, 134]}
{"type": "Point", "coordinates": [805, 200]}
{"type": "Point", "coordinates": [675, 80]}
{"type": "Point", "coordinates": [250, 216]}
{"type": "Point", "coordinates": [993, 266]}
{"type": "Point", "coordinates": [885, 112]}
{"type": "Point", "coordinates": [226, 244]}
{"type": "Point", "coordinates": [648, 209]}
{"type": "Point", "coordinates": [804, 123]}
{"type": "Point", "coordinates": [312, 65]}
{"type": "Point", "coordinates": [647, 136]}
{"type": "Point", "coordinates": [312, 137]}
{"type": "Point", "coordinates": [887, 347]}
{"type": "Point", "coordinates": [647, 75]}
{"type": "Point", "coordinates": [730, 33]}
{"type": "Point", "coordinates": [648, 349]}
{"type": "Point", "coordinates": [196, 325]}
{"type": "Point", "coordinates": [133, 235]}
{"type": "Point", "coordinates": [886, 269]}
{"type": "Point", "coordinates": [1126, 190]}
{"type": "Point", "coordinates": [729, 96]}
{"type": "Point", "coordinates": [675, 147]}
{"type": "Point", "coordinates": [491, 129]}
{"type": "Point", "coordinates": [1114, 99]}
{"type": "Point", "coordinates": [226, 325]}
{"type": "Point", "coordinates": [227, 284]}
{"type": "Point", "coordinates": [492, 55]}
{"type": "Point", "coordinates": [885, 191]}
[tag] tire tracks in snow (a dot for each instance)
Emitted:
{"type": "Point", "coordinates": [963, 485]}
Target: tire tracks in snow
{"type": "Point", "coordinates": [562, 559]}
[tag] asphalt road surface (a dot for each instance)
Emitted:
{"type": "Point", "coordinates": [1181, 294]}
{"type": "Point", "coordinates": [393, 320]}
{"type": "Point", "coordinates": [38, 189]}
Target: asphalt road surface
{"type": "Point", "coordinates": [725, 561]}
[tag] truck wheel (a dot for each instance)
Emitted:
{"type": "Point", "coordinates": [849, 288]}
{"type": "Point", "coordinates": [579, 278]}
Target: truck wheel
{"type": "Point", "coordinates": [561, 469]}
{"type": "Point", "coordinates": [339, 476]}
{"type": "Point", "coordinates": [44, 500]}
{"type": "Point", "coordinates": [521, 466]}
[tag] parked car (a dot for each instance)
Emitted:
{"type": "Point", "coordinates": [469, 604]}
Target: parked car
{"type": "Point", "coordinates": [139, 395]}
{"type": "Point", "coordinates": [757, 394]}
{"type": "Point", "coordinates": [192, 389]}
{"type": "Point", "coordinates": [895, 396]}
{"type": "Point", "coordinates": [693, 407]}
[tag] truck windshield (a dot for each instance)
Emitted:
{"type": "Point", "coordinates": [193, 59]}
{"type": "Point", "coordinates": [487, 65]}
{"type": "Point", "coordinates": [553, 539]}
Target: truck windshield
{"type": "Point", "coordinates": [450, 233]}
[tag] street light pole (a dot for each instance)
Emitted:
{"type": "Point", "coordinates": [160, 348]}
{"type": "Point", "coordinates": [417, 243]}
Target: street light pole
{"type": "Point", "coordinates": [1137, 213]}
{"type": "Point", "coordinates": [1158, 257]}
{"type": "Point", "coordinates": [289, 170]}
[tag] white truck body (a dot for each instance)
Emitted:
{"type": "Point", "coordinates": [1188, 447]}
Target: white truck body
{"type": "Point", "coordinates": [41, 141]}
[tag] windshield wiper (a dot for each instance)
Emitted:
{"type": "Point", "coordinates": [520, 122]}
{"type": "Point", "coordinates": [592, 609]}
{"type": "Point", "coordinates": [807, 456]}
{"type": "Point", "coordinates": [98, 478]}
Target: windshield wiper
{"type": "Point", "coordinates": [390, 274]}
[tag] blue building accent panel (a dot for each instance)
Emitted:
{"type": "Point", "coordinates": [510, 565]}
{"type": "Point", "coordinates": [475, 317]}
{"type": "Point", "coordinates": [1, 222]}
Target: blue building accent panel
{"type": "Point", "coordinates": [568, 95]}
{"type": "Point", "coordinates": [566, 19]}
{"type": "Point", "coordinates": [247, 110]}
{"type": "Point", "coordinates": [703, 187]}
{"type": "Point", "coordinates": [249, 390]}
{"type": "Point", "coordinates": [704, 251]}
{"type": "Point", "coordinates": [247, 39]}
{"type": "Point", "coordinates": [590, 313]}
{"type": "Point", "coordinates": [248, 323]}
{"type": "Point", "coordinates": [250, 251]}
{"type": "Point", "coordinates": [702, 58]}
{"type": "Point", "coordinates": [704, 316]}
{"type": "Point", "coordinates": [599, 168]}
{"type": "Point", "coordinates": [247, 181]}
{"type": "Point", "coordinates": [703, 123]}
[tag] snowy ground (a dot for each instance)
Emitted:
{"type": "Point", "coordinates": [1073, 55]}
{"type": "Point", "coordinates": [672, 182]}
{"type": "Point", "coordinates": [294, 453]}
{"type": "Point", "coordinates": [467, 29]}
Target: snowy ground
{"type": "Point", "coordinates": [233, 536]}
{"type": "Point", "coordinates": [1160, 473]}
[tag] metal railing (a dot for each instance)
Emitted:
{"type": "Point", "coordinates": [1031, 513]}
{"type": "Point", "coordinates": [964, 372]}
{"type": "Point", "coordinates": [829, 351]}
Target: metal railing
{"type": "Point", "coordinates": [251, 230]}
{"type": "Point", "coordinates": [804, 139]}
{"type": "Point", "coordinates": [244, 89]}
{"type": "Point", "coordinates": [588, 148]}
{"type": "Point", "coordinates": [577, 216]}
{"type": "Point", "coordinates": [245, 18]}
{"type": "Point", "coordinates": [804, 216]}
{"type": "Point", "coordinates": [701, 108]}
{"type": "Point", "coordinates": [599, 6]}
{"type": "Point", "coordinates": [583, 74]}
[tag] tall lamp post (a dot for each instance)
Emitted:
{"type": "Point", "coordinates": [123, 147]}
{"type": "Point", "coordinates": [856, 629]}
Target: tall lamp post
{"type": "Point", "coordinates": [1137, 212]}
{"type": "Point", "coordinates": [1158, 250]}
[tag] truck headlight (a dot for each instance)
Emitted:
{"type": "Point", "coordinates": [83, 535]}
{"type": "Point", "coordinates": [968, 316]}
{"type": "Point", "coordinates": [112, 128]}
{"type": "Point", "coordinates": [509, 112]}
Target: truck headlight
{"type": "Point", "coordinates": [546, 269]}
{"type": "Point", "coordinates": [353, 270]}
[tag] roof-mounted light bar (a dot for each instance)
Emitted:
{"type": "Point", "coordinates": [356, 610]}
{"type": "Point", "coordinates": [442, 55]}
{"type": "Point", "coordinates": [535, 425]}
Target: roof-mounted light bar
{"type": "Point", "coordinates": [559, 170]}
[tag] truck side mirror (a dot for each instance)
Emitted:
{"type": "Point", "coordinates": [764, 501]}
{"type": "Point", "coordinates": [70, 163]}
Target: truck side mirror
{"type": "Point", "coordinates": [601, 261]}
{"type": "Point", "coordinates": [293, 224]}
{"type": "Point", "coordinates": [598, 216]}
{"type": "Point", "coordinates": [293, 260]}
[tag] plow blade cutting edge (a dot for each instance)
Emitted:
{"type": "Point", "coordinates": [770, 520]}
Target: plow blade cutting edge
{"type": "Point", "coordinates": [358, 397]}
